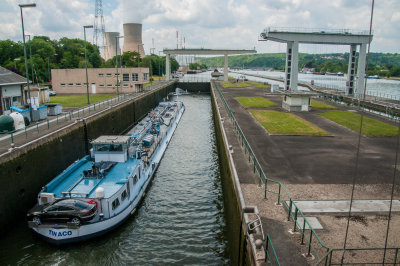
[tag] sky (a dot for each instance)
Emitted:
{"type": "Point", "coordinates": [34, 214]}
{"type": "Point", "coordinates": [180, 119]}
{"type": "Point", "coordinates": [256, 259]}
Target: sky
{"type": "Point", "coordinates": [218, 24]}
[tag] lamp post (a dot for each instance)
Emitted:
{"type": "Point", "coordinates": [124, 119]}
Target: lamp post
{"type": "Point", "coordinates": [48, 66]}
{"type": "Point", "coordinates": [21, 6]}
{"type": "Point", "coordinates": [116, 61]}
{"type": "Point", "coordinates": [30, 57]}
{"type": "Point", "coordinates": [87, 82]}
{"type": "Point", "coordinates": [139, 44]}
{"type": "Point", "coordinates": [159, 64]}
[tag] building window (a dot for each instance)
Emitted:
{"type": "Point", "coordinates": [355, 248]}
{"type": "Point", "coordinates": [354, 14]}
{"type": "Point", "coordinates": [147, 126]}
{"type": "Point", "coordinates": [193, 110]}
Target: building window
{"type": "Point", "coordinates": [101, 75]}
{"type": "Point", "coordinates": [135, 77]}
{"type": "Point", "coordinates": [78, 84]}
{"type": "Point", "coordinates": [125, 77]}
{"type": "Point", "coordinates": [115, 203]}
{"type": "Point", "coordinates": [116, 74]}
{"type": "Point", "coordinates": [109, 85]}
{"type": "Point", "coordinates": [70, 84]}
{"type": "Point", "coordinates": [145, 76]}
{"type": "Point", "coordinates": [126, 85]}
{"type": "Point", "coordinates": [62, 84]}
{"type": "Point", "coordinates": [109, 75]}
{"type": "Point", "coordinates": [101, 85]}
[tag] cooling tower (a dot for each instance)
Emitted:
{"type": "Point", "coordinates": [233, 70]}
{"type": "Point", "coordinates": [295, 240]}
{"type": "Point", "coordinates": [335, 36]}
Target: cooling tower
{"type": "Point", "coordinates": [110, 45]}
{"type": "Point", "coordinates": [133, 38]}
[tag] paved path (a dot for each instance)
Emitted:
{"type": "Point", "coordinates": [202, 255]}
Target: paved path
{"type": "Point", "coordinates": [52, 124]}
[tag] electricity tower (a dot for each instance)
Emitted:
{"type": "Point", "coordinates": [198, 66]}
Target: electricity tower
{"type": "Point", "coordinates": [98, 32]}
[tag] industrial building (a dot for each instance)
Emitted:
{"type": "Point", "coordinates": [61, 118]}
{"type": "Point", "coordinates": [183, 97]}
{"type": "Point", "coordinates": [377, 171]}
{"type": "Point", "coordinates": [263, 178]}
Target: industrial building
{"type": "Point", "coordinates": [101, 80]}
{"type": "Point", "coordinates": [133, 38]}
{"type": "Point", "coordinates": [111, 45]}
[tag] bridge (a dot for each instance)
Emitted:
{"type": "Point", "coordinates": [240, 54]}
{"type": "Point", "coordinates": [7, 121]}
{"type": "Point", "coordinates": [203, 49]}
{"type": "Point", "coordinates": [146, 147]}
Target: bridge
{"type": "Point", "coordinates": [292, 37]}
{"type": "Point", "coordinates": [201, 51]}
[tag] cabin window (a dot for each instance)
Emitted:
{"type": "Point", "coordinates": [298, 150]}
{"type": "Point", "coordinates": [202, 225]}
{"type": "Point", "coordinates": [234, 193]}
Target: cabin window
{"type": "Point", "coordinates": [123, 195]}
{"type": "Point", "coordinates": [135, 179]}
{"type": "Point", "coordinates": [108, 147]}
{"type": "Point", "coordinates": [115, 203]}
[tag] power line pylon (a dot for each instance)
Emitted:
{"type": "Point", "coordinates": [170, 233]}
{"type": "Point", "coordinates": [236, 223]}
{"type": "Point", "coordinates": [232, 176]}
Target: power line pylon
{"type": "Point", "coordinates": [98, 32]}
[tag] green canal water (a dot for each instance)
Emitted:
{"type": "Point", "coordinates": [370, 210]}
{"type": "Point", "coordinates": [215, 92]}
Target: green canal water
{"type": "Point", "coordinates": [181, 221]}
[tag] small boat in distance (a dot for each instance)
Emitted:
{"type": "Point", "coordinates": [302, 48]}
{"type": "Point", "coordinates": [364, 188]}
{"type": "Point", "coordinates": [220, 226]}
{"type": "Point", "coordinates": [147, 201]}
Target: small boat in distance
{"type": "Point", "coordinates": [373, 77]}
{"type": "Point", "coordinates": [216, 73]}
{"type": "Point", "coordinates": [100, 191]}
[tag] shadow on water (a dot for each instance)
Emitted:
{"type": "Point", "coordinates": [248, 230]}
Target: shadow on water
{"type": "Point", "coordinates": [181, 220]}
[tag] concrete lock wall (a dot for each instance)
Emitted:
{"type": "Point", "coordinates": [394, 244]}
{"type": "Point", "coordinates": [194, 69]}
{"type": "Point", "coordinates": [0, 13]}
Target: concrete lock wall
{"type": "Point", "coordinates": [202, 87]}
{"type": "Point", "coordinates": [25, 171]}
{"type": "Point", "coordinates": [231, 202]}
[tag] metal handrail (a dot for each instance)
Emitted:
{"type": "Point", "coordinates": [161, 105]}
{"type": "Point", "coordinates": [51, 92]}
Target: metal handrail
{"type": "Point", "coordinates": [263, 180]}
{"type": "Point", "coordinates": [268, 244]}
{"type": "Point", "coordinates": [327, 259]}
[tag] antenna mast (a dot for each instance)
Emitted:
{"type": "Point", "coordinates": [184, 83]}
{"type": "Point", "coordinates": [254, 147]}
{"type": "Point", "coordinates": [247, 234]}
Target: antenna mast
{"type": "Point", "coordinates": [98, 32]}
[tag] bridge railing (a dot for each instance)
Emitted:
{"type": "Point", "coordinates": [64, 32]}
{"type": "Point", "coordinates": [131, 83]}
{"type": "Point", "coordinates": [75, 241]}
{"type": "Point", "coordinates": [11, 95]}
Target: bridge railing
{"type": "Point", "coordinates": [45, 126]}
{"type": "Point", "coordinates": [315, 247]}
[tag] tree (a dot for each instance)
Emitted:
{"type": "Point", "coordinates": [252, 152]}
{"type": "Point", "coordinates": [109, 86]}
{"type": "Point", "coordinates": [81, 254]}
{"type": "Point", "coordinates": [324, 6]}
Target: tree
{"type": "Point", "coordinates": [130, 59]}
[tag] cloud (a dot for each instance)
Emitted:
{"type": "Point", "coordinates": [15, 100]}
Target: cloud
{"type": "Point", "coordinates": [206, 23]}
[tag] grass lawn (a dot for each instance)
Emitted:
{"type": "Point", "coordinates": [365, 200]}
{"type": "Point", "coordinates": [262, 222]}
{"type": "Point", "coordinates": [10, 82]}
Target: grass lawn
{"type": "Point", "coordinates": [244, 84]}
{"type": "Point", "coordinates": [255, 102]}
{"type": "Point", "coordinates": [371, 127]}
{"type": "Point", "coordinates": [320, 105]}
{"type": "Point", "coordinates": [286, 123]}
{"type": "Point", "coordinates": [79, 100]}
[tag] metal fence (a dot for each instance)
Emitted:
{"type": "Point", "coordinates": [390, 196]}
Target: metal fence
{"type": "Point", "coordinates": [309, 237]}
{"type": "Point", "coordinates": [361, 256]}
{"type": "Point", "coordinates": [270, 255]}
{"type": "Point", "coordinates": [53, 123]}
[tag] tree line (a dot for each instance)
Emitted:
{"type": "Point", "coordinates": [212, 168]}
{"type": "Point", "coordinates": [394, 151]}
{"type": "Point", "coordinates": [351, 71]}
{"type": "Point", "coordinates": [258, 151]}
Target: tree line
{"type": "Point", "coordinates": [68, 53]}
{"type": "Point", "coordinates": [382, 64]}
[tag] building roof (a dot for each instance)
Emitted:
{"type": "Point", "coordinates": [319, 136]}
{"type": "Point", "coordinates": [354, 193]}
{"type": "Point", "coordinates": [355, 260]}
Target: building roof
{"type": "Point", "coordinates": [8, 77]}
{"type": "Point", "coordinates": [111, 140]}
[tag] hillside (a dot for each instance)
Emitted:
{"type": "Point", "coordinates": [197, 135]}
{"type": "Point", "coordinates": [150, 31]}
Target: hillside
{"type": "Point", "coordinates": [383, 64]}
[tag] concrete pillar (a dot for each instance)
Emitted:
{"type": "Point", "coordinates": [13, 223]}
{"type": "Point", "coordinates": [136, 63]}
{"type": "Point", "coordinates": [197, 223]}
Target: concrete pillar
{"type": "Point", "coordinates": [351, 70]}
{"type": "Point", "coordinates": [361, 70]}
{"type": "Point", "coordinates": [295, 66]}
{"type": "Point", "coordinates": [288, 66]}
{"type": "Point", "coordinates": [167, 67]}
{"type": "Point", "coordinates": [225, 67]}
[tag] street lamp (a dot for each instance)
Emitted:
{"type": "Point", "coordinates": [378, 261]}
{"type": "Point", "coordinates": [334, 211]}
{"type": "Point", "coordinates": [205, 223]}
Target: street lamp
{"type": "Point", "coordinates": [30, 57]}
{"type": "Point", "coordinates": [87, 82]}
{"type": "Point", "coordinates": [139, 44]}
{"type": "Point", "coordinates": [159, 63]}
{"type": "Point", "coordinates": [48, 66]}
{"type": "Point", "coordinates": [116, 61]}
{"type": "Point", "coordinates": [21, 6]}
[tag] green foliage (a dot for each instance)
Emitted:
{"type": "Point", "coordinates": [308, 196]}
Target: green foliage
{"type": "Point", "coordinates": [383, 64]}
{"type": "Point", "coordinates": [286, 123]}
{"type": "Point", "coordinates": [69, 53]}
{"type": "Point", "coordinates": [196, 66]}
{"type": "Point", "coordinates": [255, 102]}
{"type": "Point", "coordinates": [371, 127]}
